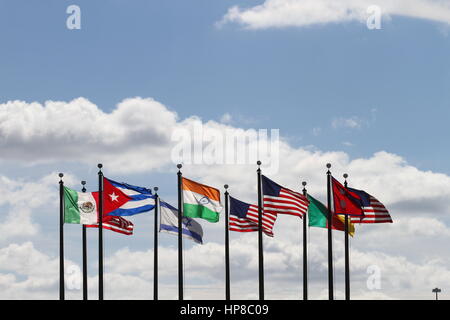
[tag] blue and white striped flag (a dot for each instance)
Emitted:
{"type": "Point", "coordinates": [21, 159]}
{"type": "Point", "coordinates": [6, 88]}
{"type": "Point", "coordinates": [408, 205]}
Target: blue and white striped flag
{"type": "Point", "coordinates": [138, 199]}
{"type": "Point", "coordinates": [191, 229]}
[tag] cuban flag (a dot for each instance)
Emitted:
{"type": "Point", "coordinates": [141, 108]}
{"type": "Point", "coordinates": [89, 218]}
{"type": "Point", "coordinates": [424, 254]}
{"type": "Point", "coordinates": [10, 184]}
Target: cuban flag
{"type": "Point", "coordinates": [122, 199]}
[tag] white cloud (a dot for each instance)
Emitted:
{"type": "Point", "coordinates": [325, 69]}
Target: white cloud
{"type": "Point", "coordinates": [352, 123]}
{"type": "Point", "coordinates": [300, 13]}
{"type": "Point", "coordinates": [418, 201]}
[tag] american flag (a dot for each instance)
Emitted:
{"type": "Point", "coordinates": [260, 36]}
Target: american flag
{"type": "Point", "coordinates": [244, 218]}
{"type": "Point", "coordinates": [280, 200]}
{"type": "Point", "coordinates": [374, 210]}
{"type": "Point", "coordinates": [116, 224]}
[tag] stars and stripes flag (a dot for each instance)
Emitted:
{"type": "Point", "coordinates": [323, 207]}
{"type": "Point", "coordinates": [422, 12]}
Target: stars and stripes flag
{"type": "Point", "coordinates": [374, 210]}
{"type": "Point", "coordinates": [244, 218]}
{"type": "Point", "coordinates": [281, 200]}
{"type": "Point", "coordinates": [116, 224]}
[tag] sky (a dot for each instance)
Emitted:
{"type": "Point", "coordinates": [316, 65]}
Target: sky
{"type": "Point", "coordinates": [372, 102]}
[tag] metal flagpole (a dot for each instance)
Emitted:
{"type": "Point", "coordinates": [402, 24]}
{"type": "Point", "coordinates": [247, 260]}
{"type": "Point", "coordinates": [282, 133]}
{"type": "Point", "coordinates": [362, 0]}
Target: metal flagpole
{"type": "Point", "coordinates": [305, 250]}
{"type": "Point", "coordinates": [227, 246]}
{"type": "Point", "coordinates": [155, 248]}
{"type": "Point", "coordinates": [83, 228]}
{"type": "Point", "coordinates": [100, 232]}
{"type": "Point", "coordinates": [61, 238]}
{"type": "Point", "coordinates": [260, 238]}
{"type": "Point", "coordinates": [180, 239]}
{"type": "Point", "coordinates": [330, 237]}
{"type": "Point", "coordinates": [347, 252]}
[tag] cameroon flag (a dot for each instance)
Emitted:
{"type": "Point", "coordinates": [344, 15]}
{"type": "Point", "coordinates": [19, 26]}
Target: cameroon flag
{"type": "Point", "coordinates": [318, 217]}
{"type": "Point", "coordinates": [200, 201]}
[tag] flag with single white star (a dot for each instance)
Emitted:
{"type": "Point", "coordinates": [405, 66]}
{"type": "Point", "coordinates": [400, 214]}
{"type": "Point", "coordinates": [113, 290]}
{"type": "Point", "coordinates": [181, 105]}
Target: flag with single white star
{"type": "Point", "coordinates": [122, 199]}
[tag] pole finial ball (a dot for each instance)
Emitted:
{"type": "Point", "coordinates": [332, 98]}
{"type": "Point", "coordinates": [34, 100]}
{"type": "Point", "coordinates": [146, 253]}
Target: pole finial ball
{"type": "Point", "coordinates": [61, 175]}
{"type": "Point", "coordinates": [258, 163]}
{"type": "Point", "coordinates": [83, 182]}
{"type": "Point", "coordinates": [179, 166]}
{"type": "Point", "coordinates": [304, 183]}
{"type": "Point", "coordinates": [345, 176]}
{"type": "Point", "coordinates": [225, 186]}
{"type": "Point", "coordinates": [156, 189]}
{"type": "Point", "coordinates": [99, 166]}
{"type": "Point", "coordinates": [328, 165]}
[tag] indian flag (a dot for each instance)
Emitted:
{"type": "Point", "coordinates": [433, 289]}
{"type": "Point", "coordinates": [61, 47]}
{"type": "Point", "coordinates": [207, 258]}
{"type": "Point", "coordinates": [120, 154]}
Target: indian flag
{"type": "Point", "coordinates": [200, 201]}
{"type": "Point", "coordinates": [79, 207]}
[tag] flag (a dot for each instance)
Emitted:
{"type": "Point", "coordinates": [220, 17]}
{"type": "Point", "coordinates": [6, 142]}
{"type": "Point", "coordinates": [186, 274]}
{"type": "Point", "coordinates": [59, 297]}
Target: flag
{"type": "Point", "coordinates": [116, 224]}
{"type": "Point", "coordinates": [318, 217]}
{"type": "Point", "coordinates": [200, 201]}
{"type": "Point", "coordinates": [345, 202]}
{"type": "Point", "coordinates": [244, 218]}
{"type": "Point", "coordinates": [122, 199]}
{"type": "Point", "coordinates": [280, 200]}
{"type": "Point", "coordinates": [191, 229]}
{"type": "Point", "coordinates": [79, 207]}
{"type": "Point", "coordinates": [374, 210]}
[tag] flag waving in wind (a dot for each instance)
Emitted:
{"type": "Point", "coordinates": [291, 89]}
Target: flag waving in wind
{"type": "Point", "coordinates": [280, 200]}
{"type": "Point", "coordinates": [200, 201]}
{"type": "Point", "coordinates": [122, 199]}
{"type": "Point", "coordinates": [318, 217]}
{"type": "Point", "coordinates": [345, 202]}
{"type": "Point", "coordinates": [374, 210]}
{"type": "Point", "coordinates": [191, 229]}
{"type": "Point", "coordinates": [116, 224]}
{"type": "Point", "coordinates": [244, 218]}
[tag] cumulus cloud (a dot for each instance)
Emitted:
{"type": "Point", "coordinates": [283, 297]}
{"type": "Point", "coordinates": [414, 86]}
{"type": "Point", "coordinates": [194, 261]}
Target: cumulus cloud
{"type": "Point", "coordinates": [21, 198]}
{"type": "Point", "coordinates": [418, 202]}
{"type": "Point", "coordinates": [301, 13]}
{"type": "Point", "coordinates": [78, 129]}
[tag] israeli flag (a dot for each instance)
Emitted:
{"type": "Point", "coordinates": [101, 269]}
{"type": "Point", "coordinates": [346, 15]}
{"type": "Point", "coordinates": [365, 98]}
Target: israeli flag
{"type": "Point", "coordinates": [142, 199]}
{"type": "Point", "coordinates": [191, 229]}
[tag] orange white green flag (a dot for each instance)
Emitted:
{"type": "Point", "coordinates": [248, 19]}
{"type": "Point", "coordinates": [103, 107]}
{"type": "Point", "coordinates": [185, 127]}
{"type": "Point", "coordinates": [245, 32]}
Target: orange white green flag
{"type": "Point", "coordinates": [200, 201]}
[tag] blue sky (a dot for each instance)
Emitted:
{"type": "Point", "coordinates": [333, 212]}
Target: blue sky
{"type": "Point", "coordinates": [373, 102]}
{"type": "Point", "coordinates": [174, 52]}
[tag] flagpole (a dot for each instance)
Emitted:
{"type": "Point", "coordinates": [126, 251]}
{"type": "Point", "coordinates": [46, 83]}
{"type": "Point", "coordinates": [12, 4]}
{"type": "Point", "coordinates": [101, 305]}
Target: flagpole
{"type": "Point", "coordinates": [305, 250]}
{"type": "Point", "coordinates": [83, 228]}
{"type": "Point", "coordinates": [180, 239]}
{"type": "Point", "coordinates": [347, 252]}
{"type": "Point", "coordinates": [61, 238]}
{"type": "Point", "coordinates": [330, 237]}
{"type": "Point", "coordinates": [100, 232]}
{"type": "Point", "coordinates": [260, 238]}
{"type": "Point", "coordinates": [155, 248]}
{"type": "Point", "coordinates": [227, 246]}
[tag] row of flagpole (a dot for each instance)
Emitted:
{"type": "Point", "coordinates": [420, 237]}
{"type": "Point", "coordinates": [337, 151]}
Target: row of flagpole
{"type": "Point", "coordinates": [180, 242]}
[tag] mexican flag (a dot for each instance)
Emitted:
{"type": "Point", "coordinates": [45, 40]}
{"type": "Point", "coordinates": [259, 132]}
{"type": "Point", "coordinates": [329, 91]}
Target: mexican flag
{"type": "Point", "coordinates": [318, 217]}
{"type": "Point", "coordinates": [79, 207]}
{"type": "Point", "coordinates": [200, 201]}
